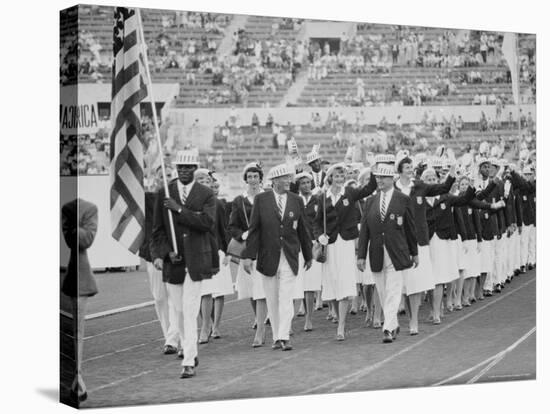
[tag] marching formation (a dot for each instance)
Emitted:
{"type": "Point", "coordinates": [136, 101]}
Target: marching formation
{"type": "Point", "coordinates": [380, 239]}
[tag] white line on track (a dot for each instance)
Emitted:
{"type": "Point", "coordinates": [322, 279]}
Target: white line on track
{"type": "Point", "coordinates": [120, 310]}
{"type": "Point", "coordinates": [487, 361]}
{"type": "Point", "coordinates": [342, 382]}
{"type": "Point", "coordinates": [501, 356]}
{"type": "Point", "coordinates": [511, 375]}
{"type": "Point", "coordinates": [118, 351]}
{"type": "Point", "coordinates": [120, 329]}
{"type": "Point", "coordinates": [111, 384]}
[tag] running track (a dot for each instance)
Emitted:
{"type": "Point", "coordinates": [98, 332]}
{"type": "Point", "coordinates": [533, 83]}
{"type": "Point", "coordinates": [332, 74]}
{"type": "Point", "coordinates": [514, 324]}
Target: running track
{"type": "Point", "coordinates": [493, 340]}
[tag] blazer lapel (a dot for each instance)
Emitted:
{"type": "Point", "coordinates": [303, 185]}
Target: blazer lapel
{"type": "Point", "coordinates": [192, 194]}
{"type": "Point", "coordinates": [275, 207]}
{"type": "Point", "coordinates": [388, 208]}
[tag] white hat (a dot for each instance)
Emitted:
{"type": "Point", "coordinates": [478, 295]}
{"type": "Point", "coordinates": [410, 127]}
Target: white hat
{"type": "Point", "coordinates": [313, 155]}
{"type": "Point", "coordinates": [187, 157]}
{"type": "Point", "coordinates": [303, 174]}
{"type": "Point", "coordinates": [200, 171]}
{"type": "Point", "coordinates": [333, 168]}
{"type": "Point", "coordinates": [384, 170]}
{"type": "Point", "coordinates": [251, 165]}
{"type": "Point", "coordinates": [437, 162]}
{"type": "Point", "coordinates": [401, 154]}
{"type": "Point", "coordinates": [279, 171]}
{"type": "Point", "coordinates": [482, 160]}
{"type": "Point", "coordinates": [384, 159]}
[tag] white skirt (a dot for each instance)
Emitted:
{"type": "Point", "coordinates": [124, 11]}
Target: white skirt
{"type": "Point", "coordinates": [472, 259]}
{"type": "Point", "coordinates": [312, 277]}
{"type": "Point", "coordinates": [444, 260]}
{"type": "Point", "coordinates": [223, 284]}
{"type": "Point", "coordinates": [421, 278]}
{"type": "Point", "coordinates": [487, 256]}
{"type": "Point", "coordinates": [249, 285]}
{"type": "Point", "coordinates": [299, 282]}
{"type": "Point", "coordinates": [338, 272]}
{"type": "Point", "coordinates": [461, 255]}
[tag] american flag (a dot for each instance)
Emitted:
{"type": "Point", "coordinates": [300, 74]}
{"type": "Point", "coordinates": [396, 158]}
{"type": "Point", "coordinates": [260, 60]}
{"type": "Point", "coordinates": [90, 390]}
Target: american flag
{"type": "Point", "coordinates": [127, 145]}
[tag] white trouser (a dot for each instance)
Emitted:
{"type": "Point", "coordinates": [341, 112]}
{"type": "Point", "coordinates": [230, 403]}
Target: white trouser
{"type": "Point", "coordinates": [524, 241]}
{"type": "Point", "coordinates": [279, 295]}
{"type": "Point", "coordinates": [166, 312]}
{"type": "Point", "coordinates": [187, 300]}
{"type": "Point", "coordinates": [389, 284]}
{"type": "Point", "coordinates": [517, 249]}
{"type": "Point", "coordinates": [532, 247]}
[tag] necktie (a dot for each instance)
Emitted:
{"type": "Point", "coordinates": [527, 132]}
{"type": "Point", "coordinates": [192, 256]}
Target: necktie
{"type": "Point", "coordinates": [383, 207]}
{"type": "Point", "coordinates": [183, 195]}
{"type": "Point", "coordinates": [280, 205]}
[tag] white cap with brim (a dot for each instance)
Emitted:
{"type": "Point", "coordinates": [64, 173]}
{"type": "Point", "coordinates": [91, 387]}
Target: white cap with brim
{"type": "Point", "coordinates": [280, 171]}
{"type": "Point", "coordinates": [334, 167]}
{"type": "Point", "coordinates": [384, 159]}
{"type": "Point", "coordinates": [494, 161]}
{"type": "Point", "coordinates": [482, 160]}
{"type": "Point", "coordinates": [251, 165]}
{"type": "Point", "coordinates": [303, 175]}
{"type": "Point", "coordinates": [312, 156]}
{"type": "Point", "coordinates": [202, 171]}
{"type": "Point", "coordinates": [384, 170]}
{"type": "Point", "coordinates": [187, 157]}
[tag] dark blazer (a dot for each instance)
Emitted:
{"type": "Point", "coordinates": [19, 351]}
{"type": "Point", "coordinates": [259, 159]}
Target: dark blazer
{"type": "Point", "coordinates": [470, 215]}
{"type": "Point", "coordinates": [144, 250]}
{"type": "Point", "coordinates": [518, 207]}
{"type": "Point", "coordinates": [342, 219]}
{"type": "Point", "coordinates": [489, 219]}
{"type": "Point", "coordinates": [237, 220]}
{"type": "Point", "coordinates": [418, 192]}
{"type": "Point", "coordinates": [397, 232]}
{"type": "Point", "coordinates": [268, 234]}
{"type": "Point", "coordinates": [220, 229]}
{"type": "Point", "coordinates": [194, 228]}
{"type": "Point", "coordinates": [440, 216]}
{"type": "Point", "coordinates": [310, 211]}
{"type": "Point", "coordinates": [79, 225]}
{"type": "Point", "coordinates": [527, 191]}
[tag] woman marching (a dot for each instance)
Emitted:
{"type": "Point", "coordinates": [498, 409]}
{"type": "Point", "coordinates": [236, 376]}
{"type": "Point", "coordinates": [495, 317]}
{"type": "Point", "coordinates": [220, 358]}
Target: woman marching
{"type": "Point", "coordinates": [335, 226]}
{"type": "Point", "coordinates": [311, 282]}
{"type": "Point", "coordinates": [249, 285]}
{"type": "Point", "coordinates": [420, 279]}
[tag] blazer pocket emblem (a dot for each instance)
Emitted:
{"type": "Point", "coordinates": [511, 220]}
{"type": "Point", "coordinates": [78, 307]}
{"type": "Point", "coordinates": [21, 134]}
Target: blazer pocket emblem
{"type": "Point", "coordinates": [345, 202]}
{"type": "Point", "coordinates": [392, 216]}
{"type": "Point", "coordinates": [469, 211]}
{"type": "Point", "coordinates": [486, 216]}
{"type": "Point", "coordinates": [419, 200]}
{"type": "Point", "coordinates": [443, 206]}
{"type": "Point", "coordinates": [524, 198]}
{"type": "Point", "coordinates": [399, 220]}
{"type": "Point", "coordinates": [291, 214]}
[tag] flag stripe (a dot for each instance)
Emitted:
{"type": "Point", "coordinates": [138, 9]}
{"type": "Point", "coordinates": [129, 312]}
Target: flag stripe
{"type": "Point", "coordinates": [127, 147]}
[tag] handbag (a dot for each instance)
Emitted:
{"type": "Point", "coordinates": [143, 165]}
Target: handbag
{"type": "Point", "coordinates": [319, 251]}
{"type": "Point", "coordinates": [235, 248]}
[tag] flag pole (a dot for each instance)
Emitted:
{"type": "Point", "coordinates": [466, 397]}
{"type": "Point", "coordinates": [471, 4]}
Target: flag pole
{"type": "Point", "coordinates": [149, 85]}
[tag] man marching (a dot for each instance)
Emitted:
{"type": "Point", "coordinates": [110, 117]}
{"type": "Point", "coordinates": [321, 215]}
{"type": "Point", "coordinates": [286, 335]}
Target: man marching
{"type": "Point", "coordinates": [276, 235]}
{"type": "Point", "coordinates": [388, 230]}
{"type": "Point", "coordinates": [193, 208]}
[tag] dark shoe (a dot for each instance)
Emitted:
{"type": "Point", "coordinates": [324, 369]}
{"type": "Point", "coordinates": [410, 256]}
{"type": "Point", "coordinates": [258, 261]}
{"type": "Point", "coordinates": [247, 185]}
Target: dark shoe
{"type": "Point", "coordinates": [267, 322]}
{"type": "Point", "coordinates": [388, 338]}
{"type": "Point", "coordinates": [487, 293]}
{"type": "Point", "coordinates": [169, 349]}
{"type": "Point", "coordinates": [353, 312]}
{"type": "Point", "coordinates": [285, 346]}
{"type": "Point", "coordinates": [340, 337]}
{"type": "Point", "coordinates": [187, 372]}
{"type": "Point", "coordinates": [516, 272]}
{"type": "Point", "coordinates": [180, 353]}
{"type": "Point", "coordinates": [216, 335]}
{"type": "Point", "coordinates": [203, 341]}
{"type": "Point", "coordinates": [522, 269]}
{"type": "Point", "coordinates": [413, 331]}
{"type": "Point", "coordinates": [80, 398]}
{"type": "Point", "coordinates": [530, 267]}
{"type": "Point", "coordinates": [255, 325]}
{"type": "Point", "coordinates": [276, 345]}
{"type": "Point", "coordinates": [498, 288]}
